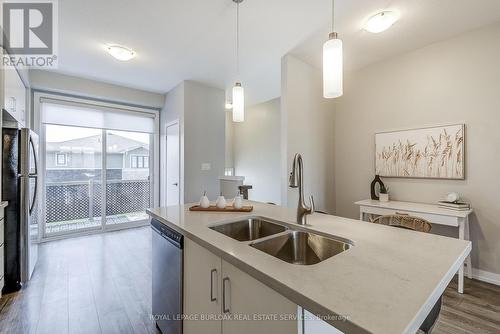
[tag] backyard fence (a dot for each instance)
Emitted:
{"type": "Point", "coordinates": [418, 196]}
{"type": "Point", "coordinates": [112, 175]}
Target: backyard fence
{"type": "Point", "coordinates": [83, 199]}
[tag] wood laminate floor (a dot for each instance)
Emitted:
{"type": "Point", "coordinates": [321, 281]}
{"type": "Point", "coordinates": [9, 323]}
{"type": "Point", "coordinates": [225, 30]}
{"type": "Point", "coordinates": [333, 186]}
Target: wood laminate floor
{"type": "Point", "coordinates": [102, 284]}
{"type": "Point", "coordinates": [92, 284]}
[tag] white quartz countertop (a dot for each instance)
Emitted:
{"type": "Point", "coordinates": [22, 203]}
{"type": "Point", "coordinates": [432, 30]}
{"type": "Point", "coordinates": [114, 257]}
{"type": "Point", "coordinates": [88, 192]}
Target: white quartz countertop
{"type": "Point", "coordinates": [387, 283]}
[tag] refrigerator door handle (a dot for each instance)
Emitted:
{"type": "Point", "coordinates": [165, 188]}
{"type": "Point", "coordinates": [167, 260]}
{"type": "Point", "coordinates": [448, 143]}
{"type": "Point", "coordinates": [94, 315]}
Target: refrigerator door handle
{"type": "Point", "coordinates": [35, 154]}
{"type": "Point", "coordinates": [34, 176]}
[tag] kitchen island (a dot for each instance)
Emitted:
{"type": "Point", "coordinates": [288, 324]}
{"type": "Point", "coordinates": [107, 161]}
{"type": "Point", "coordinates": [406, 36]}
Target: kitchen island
{"type": "Point", "coordinates": [387, 282]}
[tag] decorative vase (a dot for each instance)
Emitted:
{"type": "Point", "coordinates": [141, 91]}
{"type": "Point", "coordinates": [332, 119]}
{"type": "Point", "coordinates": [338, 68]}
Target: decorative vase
{"type": "Point", "coordinates": [452, 197]}
{"type": "Point", "coordinates": [238, 202]}
{"type": "Point", "coordinates": [204, 202]}
{"type": "Point", "coordinates": [221, 202]}
{"type": "Point", "coordinates": [372, 187]}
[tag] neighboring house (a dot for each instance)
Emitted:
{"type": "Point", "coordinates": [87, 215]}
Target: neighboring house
{"type": "Point", "coordinates": [85, 153]}
{"type": "Point", "coordinates": [81, 159]}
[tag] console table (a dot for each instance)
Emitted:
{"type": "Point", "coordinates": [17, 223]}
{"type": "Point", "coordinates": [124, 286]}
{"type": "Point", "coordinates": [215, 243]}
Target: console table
{"type": "Point", "coordinates": [430, 212]}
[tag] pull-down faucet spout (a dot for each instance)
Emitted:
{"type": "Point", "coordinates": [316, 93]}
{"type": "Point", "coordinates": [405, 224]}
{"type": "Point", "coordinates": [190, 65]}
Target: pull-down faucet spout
{"type": "Point", "coordinates": [297, 181]}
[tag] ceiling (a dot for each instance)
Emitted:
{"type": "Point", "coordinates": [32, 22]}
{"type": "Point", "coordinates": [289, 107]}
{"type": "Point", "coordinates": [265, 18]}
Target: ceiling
{"type": "Point", "coordinates": [422, 22]}
{"type": "Point", "coordinates": [179, 40]}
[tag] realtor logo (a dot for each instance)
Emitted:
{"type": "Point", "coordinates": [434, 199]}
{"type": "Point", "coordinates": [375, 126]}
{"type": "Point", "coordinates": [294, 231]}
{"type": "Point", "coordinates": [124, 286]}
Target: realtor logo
{"type": "Point", "coordinates": [29, 32]}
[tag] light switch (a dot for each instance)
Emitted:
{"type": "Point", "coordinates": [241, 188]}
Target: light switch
{"type": "Point", "coordinates": [206, 166]}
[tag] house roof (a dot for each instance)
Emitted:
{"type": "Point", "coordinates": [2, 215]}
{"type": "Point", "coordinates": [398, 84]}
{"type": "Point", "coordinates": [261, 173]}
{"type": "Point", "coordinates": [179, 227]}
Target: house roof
{"type": "Point", "coordinates": [93, 144]}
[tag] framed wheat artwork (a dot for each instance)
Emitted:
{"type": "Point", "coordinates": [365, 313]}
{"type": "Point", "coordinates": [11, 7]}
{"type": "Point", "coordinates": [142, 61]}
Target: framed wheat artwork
{"type": "Point", "coordinates": [434, 152]}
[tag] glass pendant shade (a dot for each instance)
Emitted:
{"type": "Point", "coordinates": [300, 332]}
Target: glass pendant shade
{"type": "Point", "coordinates": [238, 103]}
{"type": "Point", "coordinates": [332, 68]}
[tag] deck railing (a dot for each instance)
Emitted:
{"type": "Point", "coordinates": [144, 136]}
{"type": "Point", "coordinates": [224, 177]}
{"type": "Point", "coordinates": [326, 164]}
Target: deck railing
{"type": "Point", "coordinates": [67, 201]}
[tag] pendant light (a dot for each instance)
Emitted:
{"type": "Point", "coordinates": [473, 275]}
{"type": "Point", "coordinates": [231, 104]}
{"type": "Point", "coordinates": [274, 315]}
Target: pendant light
{"type": "Point", "coordinates": [238, 91]}
{"type": "Point", "coordinates": [332, 63]}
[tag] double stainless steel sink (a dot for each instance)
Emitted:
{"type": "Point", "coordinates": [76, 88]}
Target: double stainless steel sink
{"type": "Point", "coordinates": [249, 229]}
{"type": "Point", "coordinates": [303, 248]}
{"type": "Point", "coordinates": [292, 246]}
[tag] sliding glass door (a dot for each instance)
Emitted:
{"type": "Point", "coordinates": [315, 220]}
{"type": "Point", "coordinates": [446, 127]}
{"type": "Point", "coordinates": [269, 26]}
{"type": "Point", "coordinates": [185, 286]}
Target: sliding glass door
{"type": "Point", "coordinates": [128, 176]}
{"type": "Point", "coordinates": [73, 173]}
{"type": "Point", "coordinates": [78, 195]}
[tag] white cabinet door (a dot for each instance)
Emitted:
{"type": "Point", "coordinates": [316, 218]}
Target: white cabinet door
{"type": "Point", "coordinates": [254, 307]}
{"type": "Point", "coordinates": [202, 297]}
{"type": "Point", "coordinates": [314, 325]}
{"type": "Point", "coordinates": [2, 226]}
{"type": "Point", "coordinates": [1, 268]}
{"type": "Point", "coordinates": [1, 253]}
{"type": "Point", "coordinates": [15, 95]}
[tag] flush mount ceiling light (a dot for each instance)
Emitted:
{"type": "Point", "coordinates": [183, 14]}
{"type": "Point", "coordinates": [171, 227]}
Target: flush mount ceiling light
{"type": "Point", "coordinates": [381, 21]}
{"type": "Point", "coordinates": [120, 52]}
{"type": "Point", "coordinates": [332, 63]}
{"type": "Point", "coordinates": [238, 91]}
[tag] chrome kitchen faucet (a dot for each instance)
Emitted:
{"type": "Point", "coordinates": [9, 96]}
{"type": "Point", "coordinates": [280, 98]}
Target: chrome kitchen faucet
{"type": "Point", "coordinates": [296, 181]}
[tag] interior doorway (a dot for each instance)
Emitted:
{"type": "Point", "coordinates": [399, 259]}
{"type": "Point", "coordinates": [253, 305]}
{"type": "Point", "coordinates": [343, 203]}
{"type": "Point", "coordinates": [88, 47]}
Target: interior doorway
{"type": "Point", "coordinates": [172, 154]}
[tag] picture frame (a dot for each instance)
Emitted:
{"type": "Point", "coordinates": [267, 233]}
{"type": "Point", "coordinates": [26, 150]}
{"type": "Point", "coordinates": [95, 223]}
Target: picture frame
{"type": "Point", "coordinates": [431, 152]}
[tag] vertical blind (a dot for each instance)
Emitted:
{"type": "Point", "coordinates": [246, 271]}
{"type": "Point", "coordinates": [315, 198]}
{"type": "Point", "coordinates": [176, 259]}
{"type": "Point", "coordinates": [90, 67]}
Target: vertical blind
{"type": "Point", "coordinates": [63, 112]}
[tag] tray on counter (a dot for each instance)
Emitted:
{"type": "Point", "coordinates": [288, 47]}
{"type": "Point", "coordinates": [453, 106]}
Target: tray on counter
{"type": "Point", "coordinates": [228, 208]}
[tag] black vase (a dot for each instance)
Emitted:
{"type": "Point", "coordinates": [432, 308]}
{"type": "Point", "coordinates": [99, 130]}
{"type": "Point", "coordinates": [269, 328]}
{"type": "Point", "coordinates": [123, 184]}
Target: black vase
{"type": "Point", "coordinates": [372, 187]}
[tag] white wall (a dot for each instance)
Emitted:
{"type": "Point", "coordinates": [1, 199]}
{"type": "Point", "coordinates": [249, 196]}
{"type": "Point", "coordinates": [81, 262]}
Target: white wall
{"type": "Point", "coordinates": [307, 122]}
{"type": "Point", "coordinates": [66, 84]}
{"type": "Point", "coordinates": [455, 81]}
{"type": "Point", "coordinates": [229, 140]}
{"type": "Point", "coordinates": [256, 151]}
{"type": "Point", "coordinates": [204, 139]}
{"type": "Point", "coordinates": [201, 115]}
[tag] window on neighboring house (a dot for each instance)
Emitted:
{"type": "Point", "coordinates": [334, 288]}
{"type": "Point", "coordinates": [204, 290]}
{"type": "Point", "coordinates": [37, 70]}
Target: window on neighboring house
{"type": "Point", "coordinates": [139, 161]}
{"type": "Point", "coordinates": [61, 159]}
{"type": "Point", "coordinates": [229, 171]}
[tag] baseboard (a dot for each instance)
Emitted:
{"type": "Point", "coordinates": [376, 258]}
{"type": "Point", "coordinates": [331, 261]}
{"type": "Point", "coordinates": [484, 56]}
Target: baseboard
{"type": "Point", "coordinates": [486, 276]}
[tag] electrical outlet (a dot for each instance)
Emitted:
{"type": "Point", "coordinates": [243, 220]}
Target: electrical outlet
{"type": "Point", "coordinates": [206, 166]}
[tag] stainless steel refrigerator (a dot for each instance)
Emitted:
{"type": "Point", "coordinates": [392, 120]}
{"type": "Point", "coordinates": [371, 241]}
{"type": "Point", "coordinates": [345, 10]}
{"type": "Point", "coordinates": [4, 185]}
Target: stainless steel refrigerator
{"type": "Point", "coordinates": [20, 188]}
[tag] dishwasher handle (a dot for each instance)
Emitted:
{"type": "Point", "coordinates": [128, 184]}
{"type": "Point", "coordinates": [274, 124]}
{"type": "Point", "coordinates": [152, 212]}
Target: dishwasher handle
{"type": "Point", "coordinates": [174, 237]}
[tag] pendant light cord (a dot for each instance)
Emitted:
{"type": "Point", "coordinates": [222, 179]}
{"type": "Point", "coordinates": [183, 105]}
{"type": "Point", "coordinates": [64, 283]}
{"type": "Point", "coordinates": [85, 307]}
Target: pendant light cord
{"type": "Point", "coordinates": [238, 39]}
{"type": "Point", "coordinates": [333, 15]}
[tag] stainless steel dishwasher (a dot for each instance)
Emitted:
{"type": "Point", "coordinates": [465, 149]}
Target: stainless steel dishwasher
{"type": "Point", "coordinates": [167, 267]}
